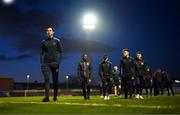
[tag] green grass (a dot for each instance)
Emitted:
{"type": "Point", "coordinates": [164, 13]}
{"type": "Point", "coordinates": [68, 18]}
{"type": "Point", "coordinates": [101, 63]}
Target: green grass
{"type": "Point", "coordinates": [76, 105]}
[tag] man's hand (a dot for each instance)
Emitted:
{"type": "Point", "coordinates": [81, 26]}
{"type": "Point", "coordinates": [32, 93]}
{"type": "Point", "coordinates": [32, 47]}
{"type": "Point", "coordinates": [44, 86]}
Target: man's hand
{"type": "Point", "coordinates": [111, 79]}
{"type": "Point", "coordinates": [44, 67]}
{"type": "Point", "coordinates": [55, 64]}
{"type": "Point", "coordinates": [89, 80]}
{"type": "Point", "coordinates": [132, 78]}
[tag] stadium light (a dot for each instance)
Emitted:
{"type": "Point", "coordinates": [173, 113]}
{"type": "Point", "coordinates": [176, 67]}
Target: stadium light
{"type": "Point", "coordinates": [28, 76]}
{"type": "Point", "coordinates": [89, 22]}
{"type": "Point", "coordinates": [8, 2]}
{"type": "Point", "coordinates": [67, 77]}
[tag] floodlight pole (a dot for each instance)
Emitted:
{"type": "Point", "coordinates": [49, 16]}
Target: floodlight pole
{"type": "Point", "coordinates": [27, 84]}
{"type": "Point", "coordinates": [67, 83]}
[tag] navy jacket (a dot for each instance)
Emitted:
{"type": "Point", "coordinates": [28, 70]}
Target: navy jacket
{"type": "Point", "coordinates": [139, 67]}
{"type": "Point", "coordinates": [51, 51]}
{"type": "Point", "coordinates": [105, 70]}
{"type": "Point", "coordinates": [126, 67]}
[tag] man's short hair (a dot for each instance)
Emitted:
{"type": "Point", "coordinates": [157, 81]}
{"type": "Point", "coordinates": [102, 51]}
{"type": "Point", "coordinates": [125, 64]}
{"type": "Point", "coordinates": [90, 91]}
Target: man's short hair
{"type": "Point", "coordinates": [105, 57]}
{"type": "Point", "coordinates": [125, 50]}
{"type": "Point", "coordinates": [51, 28]}
{"type": "Point", "coordinates": [138, 52]}
{"type": "Point", "coordinates": [85, 54]}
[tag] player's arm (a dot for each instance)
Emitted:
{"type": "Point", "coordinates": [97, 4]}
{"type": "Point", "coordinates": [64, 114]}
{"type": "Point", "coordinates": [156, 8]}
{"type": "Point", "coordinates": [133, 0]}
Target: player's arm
{"type": "Point", "coordinates": [42, 53]}
{"type": "Point", "coordinates": [60, 51]}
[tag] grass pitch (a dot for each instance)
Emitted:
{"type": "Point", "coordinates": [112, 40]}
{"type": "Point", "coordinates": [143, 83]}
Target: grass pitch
{"type": "Point", "coordinates": [96, 105]}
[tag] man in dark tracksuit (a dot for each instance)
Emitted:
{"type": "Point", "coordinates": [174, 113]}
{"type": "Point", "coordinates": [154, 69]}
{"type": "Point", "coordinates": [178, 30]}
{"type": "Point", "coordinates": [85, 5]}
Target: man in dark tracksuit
{"type": "Point", "coordinates": [168, 82]}
{"type": "Point", "coordinates": [127, 72]}
{"type": "Point", "coordinates": [105, 73]}
{"type": "Point", "coordinates": [148, 80]}
{"type": "Point", "coordinates": [85, 75]}
{"type": "Point", "coordinates": [158, 77]}
{"type": "Point", "coordinates": [50, 58]}
{"type": "Point", "coordinates": [140, 74]}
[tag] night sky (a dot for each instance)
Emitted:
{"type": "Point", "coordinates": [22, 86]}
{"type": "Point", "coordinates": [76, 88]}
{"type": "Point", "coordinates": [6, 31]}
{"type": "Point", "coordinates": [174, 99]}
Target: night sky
{"type": "Point", "coordinates": [149, 26]}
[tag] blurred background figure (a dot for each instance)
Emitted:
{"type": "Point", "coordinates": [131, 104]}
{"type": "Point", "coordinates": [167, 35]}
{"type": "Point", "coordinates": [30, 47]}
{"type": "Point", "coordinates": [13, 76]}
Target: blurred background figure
{"type": "Point", "coordinates": [117, 81]}
{"type": "Point", "coordinates": [158, 82]}
{"type": "Point", "coordinates": [168, 82]}
{"type": "Point", "coordinates": [148, 80]}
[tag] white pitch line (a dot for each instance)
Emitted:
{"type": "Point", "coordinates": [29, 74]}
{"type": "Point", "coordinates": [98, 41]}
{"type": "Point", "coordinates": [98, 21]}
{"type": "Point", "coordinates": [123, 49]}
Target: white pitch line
{"type": "Point", "coordinates": [91, 104]}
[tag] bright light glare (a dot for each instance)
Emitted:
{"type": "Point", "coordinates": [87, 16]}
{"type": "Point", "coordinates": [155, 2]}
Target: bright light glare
{"type": "Point", "coordinates": [67, 77]}
{"type": "Point", "coordinates": [7, 2]}
{"type": "Point", "coordinates": [89, 22]}
{"type": "Point", "coordinates": [28, 76]}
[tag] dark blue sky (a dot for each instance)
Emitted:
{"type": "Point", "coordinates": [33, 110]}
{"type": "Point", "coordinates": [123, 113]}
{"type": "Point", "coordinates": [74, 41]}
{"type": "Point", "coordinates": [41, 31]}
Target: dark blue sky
{"type": "Point", "coordinates": [151, 26]}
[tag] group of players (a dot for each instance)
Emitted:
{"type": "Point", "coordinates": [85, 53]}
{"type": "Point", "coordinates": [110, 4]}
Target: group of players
{"type": "Point", "coordinates": [132, 77]}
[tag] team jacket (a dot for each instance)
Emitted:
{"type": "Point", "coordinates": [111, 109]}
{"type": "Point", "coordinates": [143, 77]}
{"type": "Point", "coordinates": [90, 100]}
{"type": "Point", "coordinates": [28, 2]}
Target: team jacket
{"type": "Point", "coordinates": [51, 51]}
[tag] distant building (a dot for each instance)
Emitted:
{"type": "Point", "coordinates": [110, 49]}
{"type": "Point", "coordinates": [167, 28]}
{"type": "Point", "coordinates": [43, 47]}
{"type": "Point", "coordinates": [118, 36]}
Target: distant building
{"type": "Point", "coordinates": [6, 84]}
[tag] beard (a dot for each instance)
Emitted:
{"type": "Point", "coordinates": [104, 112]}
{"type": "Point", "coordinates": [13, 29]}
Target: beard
{"type": "Point", "coordinates": [50, 35]}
